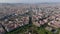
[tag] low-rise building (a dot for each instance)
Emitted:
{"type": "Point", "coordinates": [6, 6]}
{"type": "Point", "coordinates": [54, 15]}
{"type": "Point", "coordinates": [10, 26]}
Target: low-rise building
{"type": "Point", "coordinates": [15, 22]}
{"type": "Point", "coordinates": [2, 31]}
{"type": "Point", "coordinates": [55, 22]}
{"type": "Point", "coordinates": [38, 21]}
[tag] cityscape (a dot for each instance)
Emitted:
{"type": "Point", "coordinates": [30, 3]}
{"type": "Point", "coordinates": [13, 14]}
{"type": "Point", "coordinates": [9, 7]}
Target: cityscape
{"type": "Point", "coordinates": [19, 18]}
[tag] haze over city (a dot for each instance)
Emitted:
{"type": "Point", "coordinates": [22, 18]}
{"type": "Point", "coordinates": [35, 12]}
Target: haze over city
{"type": "Point", "coordinates": [27, 1]}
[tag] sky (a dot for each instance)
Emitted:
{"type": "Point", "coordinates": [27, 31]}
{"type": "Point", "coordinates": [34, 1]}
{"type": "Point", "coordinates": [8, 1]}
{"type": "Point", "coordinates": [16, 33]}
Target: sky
{"type": "Point", "coordinates": [27, 1]}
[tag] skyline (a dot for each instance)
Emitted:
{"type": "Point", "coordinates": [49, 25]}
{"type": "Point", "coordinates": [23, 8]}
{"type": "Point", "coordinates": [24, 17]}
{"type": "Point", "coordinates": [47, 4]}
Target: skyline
{"type": "Point", "coordinates": [28, 1]}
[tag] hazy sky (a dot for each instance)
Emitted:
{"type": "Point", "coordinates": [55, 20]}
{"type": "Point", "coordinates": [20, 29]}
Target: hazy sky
{"type": "Point", "coordinates": [27, 1]}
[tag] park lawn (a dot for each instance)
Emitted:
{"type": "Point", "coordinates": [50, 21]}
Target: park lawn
{"type": "Point", "coordinates": [43, 31]}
